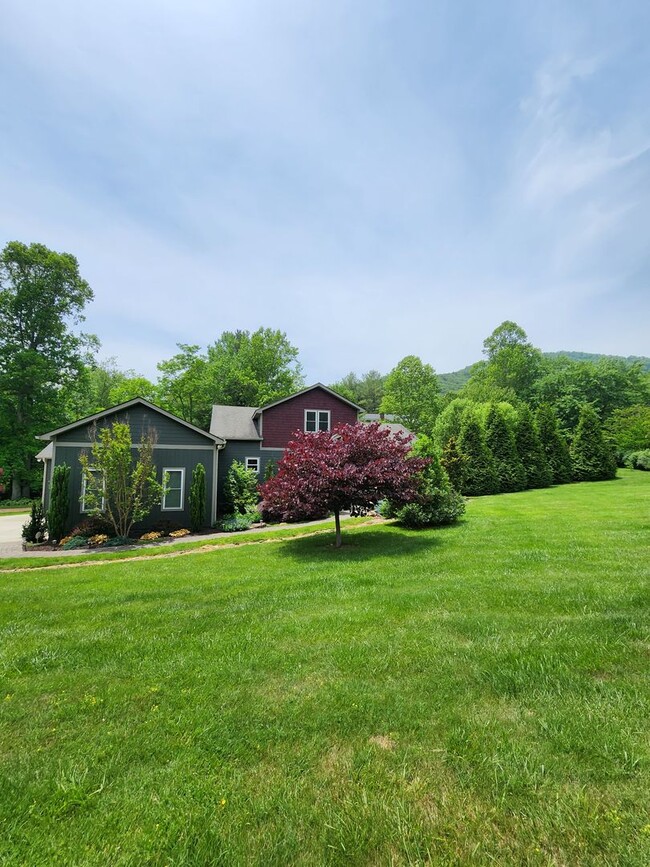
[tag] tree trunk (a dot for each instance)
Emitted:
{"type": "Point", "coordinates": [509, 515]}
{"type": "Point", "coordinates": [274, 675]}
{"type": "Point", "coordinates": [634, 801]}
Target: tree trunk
{"type": "Point", "coordinates": [337, 523]}
{"type": "Point", "coordinates": [16, 488]}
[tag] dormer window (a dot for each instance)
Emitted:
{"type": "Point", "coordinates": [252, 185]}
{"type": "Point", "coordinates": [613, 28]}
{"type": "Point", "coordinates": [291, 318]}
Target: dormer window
{"type": "Point", "coordinates": [317, 419]}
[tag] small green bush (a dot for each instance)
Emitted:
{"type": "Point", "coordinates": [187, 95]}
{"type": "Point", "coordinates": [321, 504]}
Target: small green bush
{"type": "Point", "coordinates": [17, 504]}
{"type": "Point", "coordinates": [117, 542]}
{"type": "Point", "coordinates": [34, 529]}
{"type": "Point", "coordinates": [442, 506]}
{"type": "Point", "coordinates": [235, 523]}
{"type": "Point", "coordinates": [57, 514]}
{"type": "Point", "coordinates": [638, 460]}
{"type": "Point", "coordinates": [76, 542]}
{"type": "Point", "coordinates": [240, 488]}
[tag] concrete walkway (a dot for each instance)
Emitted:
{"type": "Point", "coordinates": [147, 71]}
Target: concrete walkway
{"type": "Point", "coordinates": [11, 540]}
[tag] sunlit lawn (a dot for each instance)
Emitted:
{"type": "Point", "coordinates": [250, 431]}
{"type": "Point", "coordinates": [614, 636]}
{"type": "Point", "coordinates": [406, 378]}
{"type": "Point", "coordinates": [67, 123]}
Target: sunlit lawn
{"type": "Point", "coordinates": [478, 694]}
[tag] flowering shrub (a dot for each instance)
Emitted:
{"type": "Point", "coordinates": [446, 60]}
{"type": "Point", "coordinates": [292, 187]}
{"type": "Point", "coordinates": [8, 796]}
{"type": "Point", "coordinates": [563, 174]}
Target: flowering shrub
{"type": "Point", "coordinates": [178, 534]}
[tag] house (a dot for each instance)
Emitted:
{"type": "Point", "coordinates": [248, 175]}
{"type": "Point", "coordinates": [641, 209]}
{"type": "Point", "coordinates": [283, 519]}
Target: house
{"type": "Point", "coordinates": [179, 447]}
{"type": "Point", "coordinates": [257, 435]}
{"type": "Point", "coordinates": [252, 435]}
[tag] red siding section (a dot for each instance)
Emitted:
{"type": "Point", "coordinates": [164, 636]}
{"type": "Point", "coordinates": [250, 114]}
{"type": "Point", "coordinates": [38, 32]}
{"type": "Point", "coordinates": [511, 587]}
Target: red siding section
{"type": "Point", "coordinates": [280, 422]}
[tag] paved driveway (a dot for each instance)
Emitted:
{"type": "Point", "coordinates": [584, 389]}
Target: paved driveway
{"type": "Point", "coordinates": [10, 534]}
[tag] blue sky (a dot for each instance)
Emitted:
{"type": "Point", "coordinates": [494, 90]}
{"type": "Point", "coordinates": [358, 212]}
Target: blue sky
{"type": "Point", "coordinates": [375, 178]}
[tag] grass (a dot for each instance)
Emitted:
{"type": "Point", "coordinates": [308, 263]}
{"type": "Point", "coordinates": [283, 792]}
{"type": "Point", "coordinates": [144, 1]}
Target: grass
{"type": "Point", "coordinates": [472, 695]}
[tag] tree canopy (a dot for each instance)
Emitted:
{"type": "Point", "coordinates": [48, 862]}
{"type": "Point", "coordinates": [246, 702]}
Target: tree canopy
{"type": "Point", "coordinates": [351, 465]}
{"type": "Point", "coordinates": [412, 394]}
{"type": "Point", "coordinates": [42, 298]}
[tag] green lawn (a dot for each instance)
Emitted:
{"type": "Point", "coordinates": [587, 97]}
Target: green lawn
{"type": "Point", "coordinates": [472, 695]}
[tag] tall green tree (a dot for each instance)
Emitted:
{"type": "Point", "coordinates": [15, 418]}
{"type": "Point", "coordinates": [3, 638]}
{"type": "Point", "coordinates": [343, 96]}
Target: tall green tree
{"type": "Point", "coordinates": [366, 391]}
{"type": "Point", "coordinates": [500, 439]}
{"type": "Point", "coordinates": [42, 298]}
{"type": "Point", "coordinates": [592, 457]}
{"type": "Point", "coordinates": [480, 476]}
{"type": "Point", "coordinates": [531, 452]}
{"type": "Point", "coordinates": [412, 394]}
{"type": "Point", "coordinates": [554, 444]}
{"type": "Point", "coordinates": [184, 385]}
{"type": "Point", "coordinates": [511, 368]}
{"type": "Point", "coordinates": [630, 428]}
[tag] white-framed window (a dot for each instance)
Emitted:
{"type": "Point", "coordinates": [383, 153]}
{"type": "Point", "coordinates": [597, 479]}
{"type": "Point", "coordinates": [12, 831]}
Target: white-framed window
{"type": "Point", "coordinates": [85, 507]}
{"type": "Point", "coordinates": [174, 479]}
{"type": "Point", "coordinates": [252, 464]}
{"type": "Point", "coordinates": [317, 419]}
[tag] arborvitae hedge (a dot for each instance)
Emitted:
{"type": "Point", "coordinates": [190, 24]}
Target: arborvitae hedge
{"type": "Point", "coordinates": [454, 463]}
{"type": "Point", "coordinates": [438, 502]}
{"type": "Point", "coordinates": [480, 472]}
{"type": "Point", "coordinates": [531, 453]}
{"type": "Point", "coordinates": [592, 457]}
{"type": "Point", "coordinates": [554, 444]}
{"type": "Point", "coordinates": [501, 442]}
{"type": "Point", "coordinates": [58, 512]}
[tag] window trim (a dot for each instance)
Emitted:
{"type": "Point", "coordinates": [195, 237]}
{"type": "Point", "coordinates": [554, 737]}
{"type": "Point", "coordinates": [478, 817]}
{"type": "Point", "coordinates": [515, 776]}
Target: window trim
{"type": "Point", "coordinates": [163, 507]}
{"type": "Point", "coordinates": [257, 462]}
{"type": "Point", "coordinates": [318, 413]}
{"type": "Point", "coordinates": [83, 510]}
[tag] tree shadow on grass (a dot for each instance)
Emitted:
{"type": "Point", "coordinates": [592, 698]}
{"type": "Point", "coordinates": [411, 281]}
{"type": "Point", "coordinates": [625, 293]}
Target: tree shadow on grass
{"type": "Point", "coordinates": [362, 545]}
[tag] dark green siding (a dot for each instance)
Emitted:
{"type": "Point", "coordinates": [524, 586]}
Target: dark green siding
{"type": "Point", "coordinates": [169, 457]}
{"type": "Point", "coordinates": [169, 432]}
{"type": "Point", "coordinates": [238, 450]}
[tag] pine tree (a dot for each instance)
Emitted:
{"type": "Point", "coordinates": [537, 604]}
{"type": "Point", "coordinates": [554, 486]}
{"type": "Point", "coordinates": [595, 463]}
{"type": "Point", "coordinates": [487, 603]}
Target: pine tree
{"type": "Point", "coordinates": [57, 514]}
{"type": "Point", "coordinates": [531, 453]}
{"type": "Point", "coordinates": [554, 444]}
{"type": "Point", "coordinates": [592, 458]}
{"type": "Point", "coordinates": [480, 472]}
{"type": "Point", "coordinates": [501, 442]}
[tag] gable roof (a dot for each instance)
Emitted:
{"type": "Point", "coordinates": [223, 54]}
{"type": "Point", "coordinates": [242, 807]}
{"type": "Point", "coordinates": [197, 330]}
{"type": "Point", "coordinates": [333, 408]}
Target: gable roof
{"type": "Point", "coordinates": [234, 422]}
{"type": "Point", "coordinates": [126, 405]}
{"type": "Point", "coordinates": [304, 391]}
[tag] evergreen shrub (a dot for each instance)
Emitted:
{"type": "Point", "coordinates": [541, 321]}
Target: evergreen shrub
{"type": "Point", "coordinates": [480, 471]}
{"type": "Point", "coordinates": [57, 514]}
{"type": "Point", "coordinates": [197, 499]}
{"type": "Point", "coordinates": [593, 458]}
{"type": "Point", "coordinates": [501, 442]}
{"type": "Point", "coordinates": [34, 530]}
{"type": "Point", "coordinates": [240, 488]}
{"type": "Point", "coordinates": [531, 452]}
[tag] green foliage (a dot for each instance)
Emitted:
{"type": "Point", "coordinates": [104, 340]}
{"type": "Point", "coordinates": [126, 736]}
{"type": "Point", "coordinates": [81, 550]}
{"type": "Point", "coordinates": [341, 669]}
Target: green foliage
{"type": "Point", "coordinates": [366, 391]}
{"type": "Point", "coordinates": [129, 489]}
{"type": "Point", "coordinates": [630, 428]}
{"type": "Point", "coordinates": [437, 502]}
{"type": "Point", "coordinates": [638, 460]}
{"type": "Point", "coordinates": [454, 462]}
{"type": "Point", "coordinates": [592, 457]}
{"type": "Point", "coordinates": [17, 504]}
{"type": "Point", "coordinates": [271, 469]}
{"type": "Point", "coordinates": [118, 542]}
{"type": "Point", "coordinates": [237, 522]}
{"type": "Point", "coordinates": [34, 529]}
{"type": "Point", "coordinates": [500, 440]}
{"type": "Point", "coordinates": [531, 452]}
{"type": "Point", "coordinates": [480, 471]}
{"type": "Point", "coordinates": [42, 297]}
{"type": "Point", "coordinates": [58, 512]}
{"type": "Point", "coordinates": [554, 444]}
{"type": "Point", "coordinates": [76, 542]}
{"type": "Point", "coordinates": [197, 499]}
{"type": "Point", "coordinates": [512, 364]}
{"type": "Point", "coordinates": [240, 488]}
{"type": "Point", "coordinates": [412, 394]}
{"type": "Point", "coordinates": [448, 423]}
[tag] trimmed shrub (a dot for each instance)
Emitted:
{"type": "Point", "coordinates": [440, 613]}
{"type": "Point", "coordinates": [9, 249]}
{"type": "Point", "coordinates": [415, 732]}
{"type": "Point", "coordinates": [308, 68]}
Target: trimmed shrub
{"type": "Point", "coordinates": [640, 460]}
{"type": "Point", "coordinates": [501, 442]}
{"type": "Point", "coordinates": [197, 499]}
{"type": "Point", "coordinates": [592, 457]}
{"type": "Point", "coordinates": [57, 514]}
{"type": "Point", "coordinates": [531, 453]}
{"type": "Point", "coordinates": [240, 488]}
{"type": "Point", "coordinates": [437, 502]}
{"type": "Point", "coordinates": [554, 444]}
{"type": "Point", "coordinates": [235, 523]}
{"type": "Point", "coordinates": [76, 542]}
{"type": "Point", "coordinates": [34, 530]}
{"type": "Point", "coordinates": [480, 471]}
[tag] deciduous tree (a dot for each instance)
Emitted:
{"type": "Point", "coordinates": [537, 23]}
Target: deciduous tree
{"type": "Point", "coordinates": [351, 465]}
{"type": "Point", "coordinates": [42, 298]}
{"type": "Point", "coordinates": [412, 394]}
